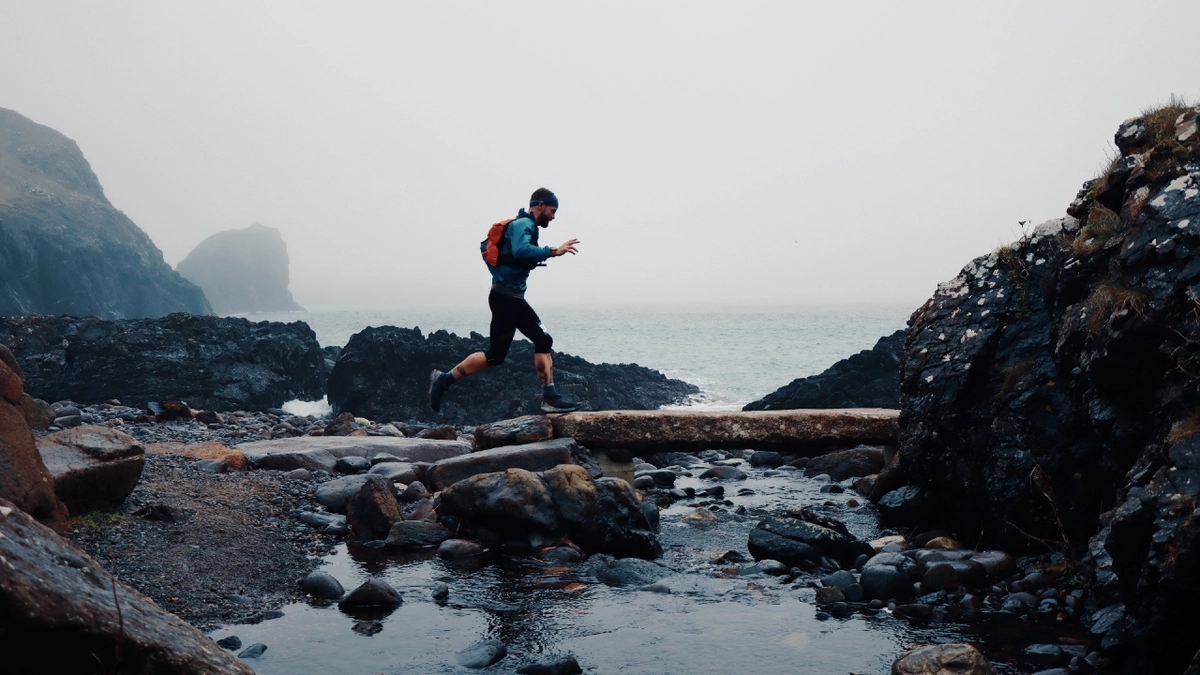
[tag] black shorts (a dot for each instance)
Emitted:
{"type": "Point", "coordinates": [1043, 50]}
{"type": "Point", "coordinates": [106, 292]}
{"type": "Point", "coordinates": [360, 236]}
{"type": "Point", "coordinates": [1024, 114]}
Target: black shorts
{"type": "Point", "coordinates": [510, 315]}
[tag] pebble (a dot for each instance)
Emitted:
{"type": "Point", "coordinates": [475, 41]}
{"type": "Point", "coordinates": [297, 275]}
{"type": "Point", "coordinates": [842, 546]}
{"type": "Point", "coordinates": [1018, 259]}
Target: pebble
{"type": "Point", "coordinates": [367, 628]}
{"type": "Point", "coordinates": [440, 592]}
{"type": "Point", "coordinates": [253, 651]}
{"type": "Point", "coordinates": [482, 654]}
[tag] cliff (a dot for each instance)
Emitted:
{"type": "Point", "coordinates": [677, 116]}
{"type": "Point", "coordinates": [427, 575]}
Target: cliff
{"type": "Point", "coordinates": [242, 271]}
{"type": "Point", "coordinates": [1050, 393]}
{"type": "Point", "coordinates": [64, 249]}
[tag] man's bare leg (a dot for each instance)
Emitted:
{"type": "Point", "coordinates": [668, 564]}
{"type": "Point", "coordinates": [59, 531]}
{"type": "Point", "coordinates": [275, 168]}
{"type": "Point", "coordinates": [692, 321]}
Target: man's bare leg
{"type": "Point", "coordinates": [544, 364]}
{"type": "Point", "coordinates": [439, 382]}
{"type": "Point", "coordinates": [470, 365]}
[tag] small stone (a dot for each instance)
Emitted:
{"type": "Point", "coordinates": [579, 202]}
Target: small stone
{"type": "Point", "coordinates": [459, 548]}
{"type": "Point", "coordinates": [829, 595]}
{"type": "Point", "coordinates": [440, 592]}
{"type": "Point", "coordinates": [372, 593]}
{"type": "Point", "coordinates": [322, 585]}
{"type": "Point", "coordinates": [352, 465]}
{"type": "Point", "coordinates": [231, 642]}
{"type": "Point", "coordinates": [367, 628]}
{"type": "Point", "coordinates": [724, 473]}
{"type": "Point", "coordinates": [656, 587]}
{"type": "Point", "coordinates": [253, 651]}
{"type": "Point", "coordinates": [482, 654]}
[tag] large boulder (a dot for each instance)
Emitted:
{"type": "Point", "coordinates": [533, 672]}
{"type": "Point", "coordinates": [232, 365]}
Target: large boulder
{"type": "Point", "coordinates": [524, 429]}
{"type": "Point", "coordinates": [93, 467]}
{"type": "Point", "coordinates": [601, 516]}
{"type": "Point", "coordinates": [64, 249]}
{"type": "Point", "coordinates": [798, 536]}
{"type": "Point", "coordinates": [61, 612]}
{"type": "Point", "coordinates": [242, 270]}
{"type": "Point", "coordinates": [321, 453]}
{"type": "Point", "coordinates": [383, 373]}
{"type": "Point", "coordinates": [1057, 377]}
{"type": "Point", "coordinates": [211, 363]}
{"type": "Point", "coordinates": [24, 479]}
{"type": "Point", "coordinates": [868, 379]}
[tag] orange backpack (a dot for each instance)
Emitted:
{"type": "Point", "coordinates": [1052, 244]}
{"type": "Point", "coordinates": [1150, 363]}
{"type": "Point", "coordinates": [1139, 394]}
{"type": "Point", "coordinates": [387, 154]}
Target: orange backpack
{"type": "Point", "coordinates": [490, 247]}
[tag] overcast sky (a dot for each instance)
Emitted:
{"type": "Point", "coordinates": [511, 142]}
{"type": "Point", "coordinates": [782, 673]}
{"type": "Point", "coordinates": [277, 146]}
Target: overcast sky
{"type": "Point", "coordinates": [783, 153]}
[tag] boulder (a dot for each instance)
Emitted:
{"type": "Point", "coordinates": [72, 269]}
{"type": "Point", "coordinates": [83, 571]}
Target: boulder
{"type": "Point", "coordinates": [337, 493]}
{"type": "Point", "coordinates": [843, 464]}
{"type": "Point", "coordinates": [383, 373]}
{"type": "Point", "coordinates": [242, 270]}
{"type": "Point", "coordinates": [947, 659]}
{"type": "Point", "coordinates": [868, 379]}
{"type": "Point", "coordinates": [517, 431]}
{"type": "Point", "coordinates": [397, 472]}
{"type": "Point", "coordinates": [600, 516]}
{"type": "Point", "coordinates": [37, 412]}
{"type": "Point", "coordinates": [799, 535]}
{"type": "Point", "coordinates": [1055, 378]}
{"type": "Point", "coordinates": [93, 467]}
{"type": "Point", "coordinates": [54, 596]}
{"type": "Point", "coordinates": [211, 363]}
{"type": "Point", "coordinates": [684, 430]}
{"type": "Point", "coordinates": [531, 457]}
{"type": "Point", "coordinates": [24, 479]}
{"type": "Point", "coordinates": [320, 453]}
{"type": "Point", "coordinates": [372, 593]}
{"type": "Point", "coordinates": [416, 534]}
{"type": "Point", "coordinates": [66, 249]}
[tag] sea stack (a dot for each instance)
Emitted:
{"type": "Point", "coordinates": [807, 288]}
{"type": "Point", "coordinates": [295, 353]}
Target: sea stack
{"type": "Point", "coordinates": [242, 270]}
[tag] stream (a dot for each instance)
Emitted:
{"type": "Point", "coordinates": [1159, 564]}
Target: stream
{"type": "Point", "coordinates": [717, 618]}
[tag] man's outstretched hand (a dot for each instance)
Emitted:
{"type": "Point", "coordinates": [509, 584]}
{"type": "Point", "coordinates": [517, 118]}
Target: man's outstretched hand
{"type": "Point", "coordinates": [565, 248]}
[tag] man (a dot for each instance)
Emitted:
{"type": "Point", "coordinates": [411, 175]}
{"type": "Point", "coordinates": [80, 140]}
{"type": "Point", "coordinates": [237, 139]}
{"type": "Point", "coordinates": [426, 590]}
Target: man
{"type": "Point", "coordinates": [519, 254]}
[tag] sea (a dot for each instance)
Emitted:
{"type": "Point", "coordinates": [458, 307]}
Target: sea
{"type": "Point", "coordinates": [734, 355]}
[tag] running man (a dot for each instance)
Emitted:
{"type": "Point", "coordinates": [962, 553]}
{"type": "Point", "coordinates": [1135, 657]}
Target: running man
{"type": "Point", "coordinates": [519, 254]}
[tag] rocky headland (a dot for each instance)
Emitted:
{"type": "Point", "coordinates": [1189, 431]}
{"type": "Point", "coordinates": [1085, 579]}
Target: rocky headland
{"type": "Point", "coordinates": [64, 249]}
{"type": "Point", "coordinates": [242, 270]}
{"type": "Point", "coordinates": [1050, 395]}
{"type": "Point", "coordinates": [384, 373]}
{"type": "Point", "coordinates": [868, 379]}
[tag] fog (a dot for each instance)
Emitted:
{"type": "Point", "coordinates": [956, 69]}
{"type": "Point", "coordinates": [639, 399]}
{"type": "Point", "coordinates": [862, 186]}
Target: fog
{"type": "Point", "coordinates": [773, 153]}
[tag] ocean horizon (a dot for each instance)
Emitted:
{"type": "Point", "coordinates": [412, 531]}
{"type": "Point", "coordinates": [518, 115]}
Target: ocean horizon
{"type": "Point", "coordinates": [735, 355]}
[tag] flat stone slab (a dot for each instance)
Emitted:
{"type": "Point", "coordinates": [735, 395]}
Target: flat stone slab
{"type": "Point", "coordinates": [320, 453]}
{"type": "Point", "coordinates": [93, 467]}
{"type": "Point", "coordinates": [534, 457]}
{"type": "Point", "coordinates": [797, 431]}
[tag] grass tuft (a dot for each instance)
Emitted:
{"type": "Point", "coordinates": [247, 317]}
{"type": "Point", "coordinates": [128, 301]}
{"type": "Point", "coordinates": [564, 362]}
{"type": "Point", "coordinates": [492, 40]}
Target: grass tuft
{"type": "Point", "coordinates": [1108, 298]}
{"type": "Point", "coordinates": [1102, 224]}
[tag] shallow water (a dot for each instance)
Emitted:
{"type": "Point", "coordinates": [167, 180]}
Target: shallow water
{"type": "Point", "coordinates": [711, 622]}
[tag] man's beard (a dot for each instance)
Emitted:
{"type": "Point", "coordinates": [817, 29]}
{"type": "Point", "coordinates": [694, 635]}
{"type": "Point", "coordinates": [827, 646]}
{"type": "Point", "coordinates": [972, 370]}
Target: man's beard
{"type": "Point", "coordinates": [541, 221]}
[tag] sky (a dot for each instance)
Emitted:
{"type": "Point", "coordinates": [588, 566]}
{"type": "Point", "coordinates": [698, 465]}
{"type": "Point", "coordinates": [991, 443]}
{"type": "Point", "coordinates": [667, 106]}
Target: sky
{"type": "Point", "coordinates": [786, 154]}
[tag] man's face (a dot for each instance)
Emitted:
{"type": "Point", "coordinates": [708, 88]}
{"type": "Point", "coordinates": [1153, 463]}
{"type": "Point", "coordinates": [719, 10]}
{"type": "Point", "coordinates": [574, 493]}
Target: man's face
{"type": "Point", "coordinates": [543, 214]}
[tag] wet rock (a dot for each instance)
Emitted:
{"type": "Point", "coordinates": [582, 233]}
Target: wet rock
{"type": "Point", "coordinates": [322, 585]}
{"type": "Point", "coordinates": [50, 588]}
{"type": "Point", "coordinates": [949, 575]}
{"type": "Point", "coordinates": [531, 457]}
{"type": "Point", "coordinates": [482, 654]}
{"type": "Point", "coordinates": [906, 504]}
{"type": "Point", "coordinates": [829, 595]}
{"type": "Point", "coordinates": [868, 379]}
{"type": "Point", "coordinates": [92, 467]}
{"type": "Point", "coordinates": [567, 666]}
{"type": "Point", "coordinates": [372, 593]}
{"type": "Point", "coordinates": [459, 548]}
{"type": "Point", "coordinates": [623, 571]}
{"type": "Point", "coordinates": [657, 587]}
{"type": "Point", "coordinates": [416, 534]}
{"type": "Point", "coordinates": [367, 628]}
{"type": "Point", "coordinates": [603, 515]}
{"type": "Point", "coordinates": [889, 576]}
{"type": "Point", "coordinates": [561, 555]}
{"type": "Point", "coordinates": [724, 473]}
{"type": "Point", "coordinates": [798, 536]}
{"type": "Point", "coordinates": [643, 482]}
{"type": "Point", "coordinates": [331, 523]}
{"type": "Point", "coordinates": [700, 516]}
{"type": "Point", "coordinates": [253, 651]}
{"type": "Point", "coordinates": [960, 659]}
{"type": "Point", "coordinates": [516, 431]}
{"type": "Point", "coordinates": [860, 461]}
{"type": "Point", "coordinates": [37, 412]}
{"type": "Point", "coordinates": [766, 458]}
{"type": "Point", "coordinates": [943, 543]}
{"type": "Point", "coordinates": [372, 510]}
{"type": "Point", "coordinates": [231, 642]}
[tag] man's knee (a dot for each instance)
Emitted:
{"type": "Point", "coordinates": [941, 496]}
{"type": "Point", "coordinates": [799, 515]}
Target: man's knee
{"type": "Point", "coordinates": [543, 343]}
{"type": "Point", "coordinates": [495, 358]}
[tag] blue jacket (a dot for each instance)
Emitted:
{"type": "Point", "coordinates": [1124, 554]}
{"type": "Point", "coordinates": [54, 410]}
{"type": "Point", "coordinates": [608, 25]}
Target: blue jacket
{"type": "Point", "coordinates": [521, 242]}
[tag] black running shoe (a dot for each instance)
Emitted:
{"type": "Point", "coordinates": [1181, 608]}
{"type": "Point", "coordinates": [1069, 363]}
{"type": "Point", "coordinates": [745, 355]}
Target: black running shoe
{"type": "Point", "coordinates": [555, 403]}
{"type": "Point", "coordinates": [437, 389]}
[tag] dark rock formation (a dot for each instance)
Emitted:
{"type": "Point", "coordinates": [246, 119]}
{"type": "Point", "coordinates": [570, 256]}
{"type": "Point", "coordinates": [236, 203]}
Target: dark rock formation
{"type": "Point", "coordinates": [799, 536]}
{"type": "Point", "coordinates": [209, 362]}
{"type": "Point", "coordinates": [1060, 376]}
{"type": "Point", "coordinates": [601, 516]}
{"type": "Point", "coordinates": [242, 271]}
{"type": "Point", "coordinates": [64, 249]}
{"type": "Point", "coordinates": [383, 373]}
{"type": "Point", "coordinates": [24, 479]}
{"type": "Point", "coordinates": [93, 467]}
{"type": "Point", "coordinates": [61, 612]}
{"type": "Point", "coordinates": [531, 457]}
{"type": "Point", "coordinates": [869, 379]}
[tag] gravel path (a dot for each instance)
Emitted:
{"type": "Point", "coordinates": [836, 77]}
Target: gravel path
{"type": "Point", "coordinates": [213, 548]}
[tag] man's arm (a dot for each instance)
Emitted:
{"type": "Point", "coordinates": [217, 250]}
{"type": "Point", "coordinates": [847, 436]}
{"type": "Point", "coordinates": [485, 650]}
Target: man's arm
{"type": "Point", "coordinates": [522, 242]}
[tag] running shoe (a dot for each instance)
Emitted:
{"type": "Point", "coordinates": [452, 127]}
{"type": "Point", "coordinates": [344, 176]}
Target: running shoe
{"type": "Point", "coordinates": [437, 389]}
{"type": "Point", "coordinates": [555, 403]}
